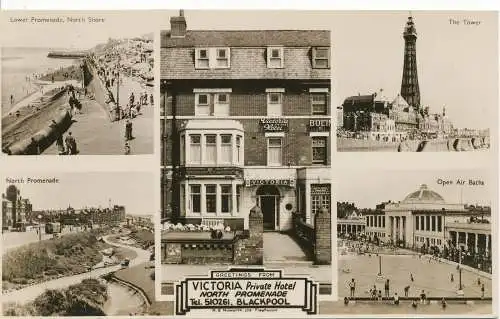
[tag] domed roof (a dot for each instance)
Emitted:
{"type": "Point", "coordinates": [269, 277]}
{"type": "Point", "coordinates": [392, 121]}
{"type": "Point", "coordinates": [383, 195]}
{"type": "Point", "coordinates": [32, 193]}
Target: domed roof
{"type": "Point", "coordinates": [424, 195]}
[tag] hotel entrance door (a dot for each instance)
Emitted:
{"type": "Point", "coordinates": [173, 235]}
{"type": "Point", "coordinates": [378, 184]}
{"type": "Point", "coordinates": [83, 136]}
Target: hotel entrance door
{"type": "Point", "coordinates": [268, 201]}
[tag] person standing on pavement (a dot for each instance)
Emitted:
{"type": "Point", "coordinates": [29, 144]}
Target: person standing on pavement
{"type": "Point", "coordinates": [386, 288]}
{"type": "Point", "coordinates": [352, 287]}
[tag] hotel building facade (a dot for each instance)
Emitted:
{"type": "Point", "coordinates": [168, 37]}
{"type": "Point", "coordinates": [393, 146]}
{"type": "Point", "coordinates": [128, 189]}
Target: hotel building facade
{"type": "Point", "coordinates": [245, 121]}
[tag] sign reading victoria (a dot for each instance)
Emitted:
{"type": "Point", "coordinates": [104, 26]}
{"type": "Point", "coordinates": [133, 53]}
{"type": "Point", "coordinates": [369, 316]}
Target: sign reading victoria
{"type": "Point", "coordinates": [260, 181]}
{"type": "Point", "coordinates": [246, 290]}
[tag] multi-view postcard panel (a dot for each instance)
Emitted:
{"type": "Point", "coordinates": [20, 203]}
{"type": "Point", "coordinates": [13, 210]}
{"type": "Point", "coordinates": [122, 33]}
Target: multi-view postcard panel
{"type": "Point", "coordinates": [252, 208]}
{"type": "Point", "coordinates": [78, 244]}
{"type": "Point", "coordinates": [246, 151]}
{"type": "Point", "coordinates": [89, 95]}
{"type": "Point", "coordinates": [413, 91]}
{"type": "Point", "coordinates": [425, 239]}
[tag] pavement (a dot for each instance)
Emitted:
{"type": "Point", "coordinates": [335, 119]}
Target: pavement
{"type": "Point", "coordinates": [95, 134]}
{"type": "Point", "coordinates": [434, 277]}
{"type": "Point", "coordinates": [280, 247]}
{"type": "Point", "coordinates": [30, 293]}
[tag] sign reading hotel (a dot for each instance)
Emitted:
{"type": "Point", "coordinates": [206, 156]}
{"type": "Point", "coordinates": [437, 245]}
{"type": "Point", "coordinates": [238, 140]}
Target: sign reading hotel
{"type": "Point", "coordinates": [259, 181]}
{"type": "Point", "coordinates": [246, 290]}
{"type": "Point", "coordinates": [319, 125]}
{"type": "Point", "coordinates": [274, 125]}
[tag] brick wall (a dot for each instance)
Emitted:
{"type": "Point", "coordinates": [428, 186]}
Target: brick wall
{"type": "Point", "coordinates": [245, 101]}
{"type": "Point", "coordinates": [323, 238]}
{"type": "Point", "coordinates": [250, 251]}
{"type": "Point", "coordinates": [297, 144]}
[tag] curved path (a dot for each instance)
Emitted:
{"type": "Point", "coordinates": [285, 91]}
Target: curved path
{"type": "Point", "coordinates": [31, 292]}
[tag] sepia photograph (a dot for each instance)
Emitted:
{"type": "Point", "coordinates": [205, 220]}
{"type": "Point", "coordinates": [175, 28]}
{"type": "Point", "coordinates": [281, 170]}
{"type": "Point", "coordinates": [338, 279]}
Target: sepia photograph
{"type": "Point", "coordinates": [86, 92]}
{"type": "Point", "coordinates": [78, 244]}
{"type": "Point", "coordinates": [415, 81]}
{"type": "Point", "coordinates": [245, 146]}
{"type": "Point", "coordinates": [422, 244]}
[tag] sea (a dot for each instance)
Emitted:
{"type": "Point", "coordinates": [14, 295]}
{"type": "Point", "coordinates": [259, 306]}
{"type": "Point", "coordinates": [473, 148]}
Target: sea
{"type": "Point", "coordinates": [17, 64]}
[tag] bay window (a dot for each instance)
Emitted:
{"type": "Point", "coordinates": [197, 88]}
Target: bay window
{"type": "Point", "coordinates": [211, 198]}
{"type": "Point", "coordinates": [238, 149]}
{"type": "Point", "coordinates": [226, 148]}
{"type": "Point", "coordinates": [211, 148]}
{"type": "Point", "coordinates": [226, 198]}
{"type": "Point", "coordinates": [195, 200]}
{"type": "Point", "coordinates": [195, 148]}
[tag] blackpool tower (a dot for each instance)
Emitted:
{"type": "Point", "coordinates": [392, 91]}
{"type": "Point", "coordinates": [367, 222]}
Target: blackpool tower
{"type": "Point", "coordinates": [409, 84]}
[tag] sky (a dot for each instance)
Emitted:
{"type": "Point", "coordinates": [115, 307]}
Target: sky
{"type": "Point", "coordinates": [134, 190]}
{"type": "Point", "coordinates": [75, 35]}
{"type": "Point", "coordinates": [457, 64]}
{"type": "Point", "coordinates": [384, 185]}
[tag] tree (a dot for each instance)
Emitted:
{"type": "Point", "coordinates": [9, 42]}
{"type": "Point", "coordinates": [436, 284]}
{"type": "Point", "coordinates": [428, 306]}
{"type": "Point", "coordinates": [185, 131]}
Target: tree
{"type": "Point", "coordinates": [51, 302]}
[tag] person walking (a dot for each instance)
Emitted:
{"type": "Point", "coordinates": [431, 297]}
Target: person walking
{"type": "Point", "coordinates": [482, 291]}
{"type": "Point", "coordinates": [452, 279]}
{"type": "Point", "coordinates": [407, 290]}
{"type": "Point", "coordinates": [352, 287]}
{"type": "Point", "coordinates": [70, 144]}
{"type": "Point", "coordinates": [386, 288]}
{"type": "Point", "coordinates": [127, 149]}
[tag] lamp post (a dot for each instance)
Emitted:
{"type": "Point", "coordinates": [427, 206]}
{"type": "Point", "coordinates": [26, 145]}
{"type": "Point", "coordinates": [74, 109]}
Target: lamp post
{"type": "Point", "coordinates": [460, 278]}
{"type": "Point", "coordinates": [117, 115]}
{"type": "Point", "coordinates": [39, 227]}
{"type": "Point", "coordinates": [379, 265]}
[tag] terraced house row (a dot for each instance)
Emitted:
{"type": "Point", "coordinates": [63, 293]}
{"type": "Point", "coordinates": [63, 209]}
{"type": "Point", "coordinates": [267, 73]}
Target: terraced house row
{"type": "Point", "coordinates": [245, 122]}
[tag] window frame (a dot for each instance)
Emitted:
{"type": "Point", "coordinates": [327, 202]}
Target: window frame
{"type": "Point", "coordinates": [207, 194]}
{"type": "Point", "coordinates": [198, 58]}
{"type": "Point", "coordinates": [280, 147]}
{"type": "Point", "coordinates": [315, 58]}
{"type": "Point", "coordinates": [314, 103]}
{"type": "Point", "coordinates": [229, 196]}
{"type": "Point", "coordinates": [191, 135]}
{"type": "Point", "coordinates": [191, 198]}
{"type": "Point", "coordinates": [325, 160]}
{"type": "Point", "coordinates": [270, 57]}
{"type": "Point", "coordinates": [227, 57]}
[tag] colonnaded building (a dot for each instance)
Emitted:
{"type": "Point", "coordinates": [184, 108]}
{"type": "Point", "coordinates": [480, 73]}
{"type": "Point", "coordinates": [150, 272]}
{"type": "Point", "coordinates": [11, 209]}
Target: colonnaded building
{"type": "Point", "coordinates": [423, 219]}
{"type": "Point", "coordinates": [245, 122]}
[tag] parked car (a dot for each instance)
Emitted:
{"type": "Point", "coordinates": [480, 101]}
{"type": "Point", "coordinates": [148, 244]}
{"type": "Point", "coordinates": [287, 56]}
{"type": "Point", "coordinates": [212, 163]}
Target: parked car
{"type": "Point", "coordinates": [125, 263]}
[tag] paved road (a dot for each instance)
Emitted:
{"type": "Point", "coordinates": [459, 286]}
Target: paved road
{"type": "Point", "coordinates": [30, 293]}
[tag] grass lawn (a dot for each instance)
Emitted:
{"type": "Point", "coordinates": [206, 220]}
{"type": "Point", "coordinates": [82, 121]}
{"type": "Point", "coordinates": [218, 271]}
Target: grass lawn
{"type": "Point", "coordinates": [140, 276]}
{"type": "Point", "coordinates": [49, 259]}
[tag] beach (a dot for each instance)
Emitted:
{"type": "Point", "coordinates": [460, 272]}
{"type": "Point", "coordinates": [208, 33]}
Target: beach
{"type": "Point", "coordinates": [18, 67]}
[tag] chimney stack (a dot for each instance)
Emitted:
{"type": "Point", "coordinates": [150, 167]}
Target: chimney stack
{"type": "Point", "coordinates": [178, 26]}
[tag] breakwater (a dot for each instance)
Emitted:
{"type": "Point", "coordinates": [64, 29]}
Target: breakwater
{"type": "Point", "coordinates": [66, 54]}
{"type": "Point", "coordinates": [462, 144]}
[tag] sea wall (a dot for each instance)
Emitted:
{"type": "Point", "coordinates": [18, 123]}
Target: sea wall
{"type": "Point", "coordinates": [41, 140]}
{"type": "Point", "coordinates": [463, 144]}
{"type": "Point", "coordinates": [103, 95]}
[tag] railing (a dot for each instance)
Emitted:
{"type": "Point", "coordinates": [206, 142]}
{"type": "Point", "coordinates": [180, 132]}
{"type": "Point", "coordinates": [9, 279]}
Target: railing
{"type": "Point", "coordinates": [212, 222]}
{"type": "Point", "coordinates": [304, 232]}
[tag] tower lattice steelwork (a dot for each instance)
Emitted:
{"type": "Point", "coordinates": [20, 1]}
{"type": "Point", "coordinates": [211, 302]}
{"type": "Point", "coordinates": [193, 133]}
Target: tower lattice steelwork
{"type": "Point", "coordinates": [410, 90]}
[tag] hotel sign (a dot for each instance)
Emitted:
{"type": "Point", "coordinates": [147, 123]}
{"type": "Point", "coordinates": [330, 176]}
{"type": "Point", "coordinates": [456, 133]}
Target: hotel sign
{"type": "Point", "coordinates": [274, 125]}
{"type": "Point", "coordinates": [320, 189]}
{"type": "Point", "coordinates": [259, 181]}
{"type": "Point", "coordinates": [246, 291]}
{"type": "Point", "coordinates": [319, 125]}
